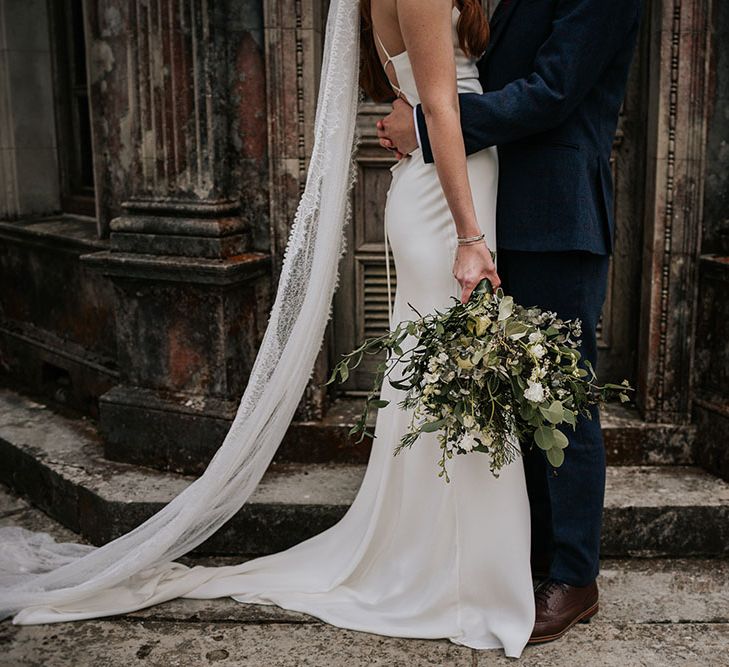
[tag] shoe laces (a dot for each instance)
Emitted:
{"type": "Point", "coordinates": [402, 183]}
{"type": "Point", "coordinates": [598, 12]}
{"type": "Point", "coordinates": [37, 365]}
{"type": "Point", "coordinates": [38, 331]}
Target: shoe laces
{"type": "Point", "coordinates": [544, 592]}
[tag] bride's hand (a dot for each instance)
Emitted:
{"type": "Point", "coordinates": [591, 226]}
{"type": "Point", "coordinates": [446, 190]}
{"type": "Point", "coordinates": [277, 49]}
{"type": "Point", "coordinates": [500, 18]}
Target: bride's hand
{"type": "Point", "coordinates": [473, 263]}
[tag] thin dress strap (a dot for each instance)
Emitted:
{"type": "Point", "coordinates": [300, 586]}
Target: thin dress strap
{"type": "Point", "coordinates": [382, 46]}
{"type": "Point", "coordinates": [388, 61]}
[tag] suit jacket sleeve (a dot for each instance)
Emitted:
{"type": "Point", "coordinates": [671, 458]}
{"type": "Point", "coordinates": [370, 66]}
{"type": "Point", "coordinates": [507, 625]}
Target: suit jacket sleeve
{"type": "Point", "coordinates": [585, 36]}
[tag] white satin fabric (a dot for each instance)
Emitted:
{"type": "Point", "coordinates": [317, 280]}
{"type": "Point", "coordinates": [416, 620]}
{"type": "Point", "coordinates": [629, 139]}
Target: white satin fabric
{"type": "Point", "coordinates": [413, 556]}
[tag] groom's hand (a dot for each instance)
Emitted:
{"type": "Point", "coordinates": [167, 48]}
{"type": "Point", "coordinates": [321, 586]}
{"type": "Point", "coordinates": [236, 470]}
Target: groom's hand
{"type": "Point", "coordinates": [396, 131]}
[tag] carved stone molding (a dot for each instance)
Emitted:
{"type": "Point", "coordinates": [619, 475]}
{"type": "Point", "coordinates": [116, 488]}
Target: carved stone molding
{"type": "Point", "coordinates": [674, 197]}
{"type": "Point", "coordinates": [178, 106]}
{"type": "Point", "coordinates": [293, 33]}
{"type": "Point", "coordinates": [177, 64]}
{"type": "Point", "coordinates": [294, 39]}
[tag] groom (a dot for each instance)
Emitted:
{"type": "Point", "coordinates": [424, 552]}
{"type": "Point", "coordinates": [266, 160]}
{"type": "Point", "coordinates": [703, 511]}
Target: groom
{"type": "Point", "coordinates": [554, 79]}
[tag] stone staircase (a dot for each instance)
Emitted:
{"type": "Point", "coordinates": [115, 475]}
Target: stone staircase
{"type": "Point", "coordinates": [628, 441]}
{"type": "Point", "coordinates": [657, 502]}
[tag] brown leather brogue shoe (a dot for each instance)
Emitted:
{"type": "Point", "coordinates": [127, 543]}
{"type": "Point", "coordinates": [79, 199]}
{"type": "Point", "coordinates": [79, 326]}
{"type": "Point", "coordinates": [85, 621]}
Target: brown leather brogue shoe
{"type": "Point", "coordinates": [560, 606]}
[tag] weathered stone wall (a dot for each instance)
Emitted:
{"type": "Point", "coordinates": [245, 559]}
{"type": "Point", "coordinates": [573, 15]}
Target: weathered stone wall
{"type": "Point", "coordinates": [57, 333]}
{"type": "Point", "coordinates": [107, 28]}
{"type": "Point", "coordinates": [56, 318]}
{"type": "Point", "coordinates": [711, 409]}
{"type": "Point", "coordinates": [248, 117]}
{"type": "Point", "coordinates": [716, 200]}
{"type": "Point", "coordinates": [201, 119]}
{"type": "Point", "coordinates": [678, 94]}
{"type": "Point", "coordinates": [28, 159]}
{"type": "Point", "coordinates": [164, 297]}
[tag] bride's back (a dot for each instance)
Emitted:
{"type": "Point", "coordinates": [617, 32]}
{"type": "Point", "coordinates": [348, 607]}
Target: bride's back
{"type": "Point", "coordinates": [394, 58]}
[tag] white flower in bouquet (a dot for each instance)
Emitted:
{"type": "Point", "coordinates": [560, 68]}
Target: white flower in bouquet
{"type": "Point", "coordinates": [538, 350]}
{"type": "Point", "coordinates": [534, 392]}
{"type": "Point", "coordinates": [431, 378]}
{"type": "Point", "coordinates": [469, 422]}
{"type": "Point", "coordinates": [468, 442]}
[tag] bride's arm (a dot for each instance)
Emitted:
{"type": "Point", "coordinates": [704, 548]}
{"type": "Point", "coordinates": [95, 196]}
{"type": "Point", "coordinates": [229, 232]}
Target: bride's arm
{"type": "Point", "coordinates": [426, 31]}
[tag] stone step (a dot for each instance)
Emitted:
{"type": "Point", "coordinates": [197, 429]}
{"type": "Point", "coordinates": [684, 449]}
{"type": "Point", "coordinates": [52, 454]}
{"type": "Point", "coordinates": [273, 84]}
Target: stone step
{"type": "Point", "coordinates": [56, 462]}
{"type": "Point", "coordinates": [653, 613]}
{"type": "Point", "coordinates": [628, 439]}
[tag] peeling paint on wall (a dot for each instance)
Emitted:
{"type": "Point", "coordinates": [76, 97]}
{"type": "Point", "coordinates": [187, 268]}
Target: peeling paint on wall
{"type": "Point", "coordinates": [101, 61]}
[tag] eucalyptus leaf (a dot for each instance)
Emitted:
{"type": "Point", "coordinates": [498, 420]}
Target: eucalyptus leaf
{"type": "Point", "coordinates": [516, 330]}
{"type": "Point", "coordinates": [430, 427]}
{"type": "Point", "coordinates": [544, 437]}
{"type": "Point", "coordinates": [560, 439]}
{"type": "Point", "coordinates": [555, 457]}
{"type": "Point", "coordinates": [554, 413]}
{"type": "Point", "coordinates": [506, 308]}
{"type": "Point", "coordinates": [526, 411]}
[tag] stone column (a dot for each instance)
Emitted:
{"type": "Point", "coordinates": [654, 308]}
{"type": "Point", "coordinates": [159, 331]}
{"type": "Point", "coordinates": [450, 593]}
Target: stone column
{"type": "Point", "coordinates": [674, 194]}
{"type": "Point", "coordinates": [182, 83]}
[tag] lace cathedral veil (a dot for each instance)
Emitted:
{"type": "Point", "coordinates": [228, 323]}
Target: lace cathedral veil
{"type": "Point", "coordinates": [38, 575]}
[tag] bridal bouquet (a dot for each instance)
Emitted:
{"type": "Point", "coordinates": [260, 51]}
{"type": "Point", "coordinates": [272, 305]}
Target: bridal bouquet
{"type": "Point", "coordinates": [486, 375]}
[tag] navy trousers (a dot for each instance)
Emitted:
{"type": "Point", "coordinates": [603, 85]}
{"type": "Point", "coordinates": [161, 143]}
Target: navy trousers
{"type": "Point", "coordinates": [566, 502]}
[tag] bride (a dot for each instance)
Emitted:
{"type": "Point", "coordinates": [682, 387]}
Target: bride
{"type": "Point", "coordinates": [413, 556]}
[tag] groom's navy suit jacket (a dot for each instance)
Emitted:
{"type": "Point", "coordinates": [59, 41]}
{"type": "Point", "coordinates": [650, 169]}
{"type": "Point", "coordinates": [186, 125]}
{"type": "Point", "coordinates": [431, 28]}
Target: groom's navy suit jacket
{"type": "Point", "coordinates": [554, 78]}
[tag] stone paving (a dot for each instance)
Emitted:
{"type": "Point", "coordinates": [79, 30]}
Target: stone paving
{"type": "Point", "coordinates": [654, 613]}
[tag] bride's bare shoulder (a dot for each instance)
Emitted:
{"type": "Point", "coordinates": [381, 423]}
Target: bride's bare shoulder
{"type": "Point", "coordinates": [383, 14]}
{"type": "Point", "coordinates": [388, 21]}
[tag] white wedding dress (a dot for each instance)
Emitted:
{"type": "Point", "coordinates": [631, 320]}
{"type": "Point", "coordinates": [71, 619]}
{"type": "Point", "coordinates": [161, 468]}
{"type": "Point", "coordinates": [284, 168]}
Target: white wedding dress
{"type": "Point", "coordinates": [413, 556]}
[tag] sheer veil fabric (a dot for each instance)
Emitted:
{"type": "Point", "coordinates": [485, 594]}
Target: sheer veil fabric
{"type": "Point", "coordinates": [38, 575]}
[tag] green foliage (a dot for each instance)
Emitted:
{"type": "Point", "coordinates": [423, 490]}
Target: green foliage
{"type": "Point", "coordinates": [485, 376]}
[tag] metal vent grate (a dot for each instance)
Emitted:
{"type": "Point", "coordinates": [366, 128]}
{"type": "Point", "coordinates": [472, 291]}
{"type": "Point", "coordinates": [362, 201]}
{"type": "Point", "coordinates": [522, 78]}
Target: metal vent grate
{"type": "Point", "coordinates": [375, 304]}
